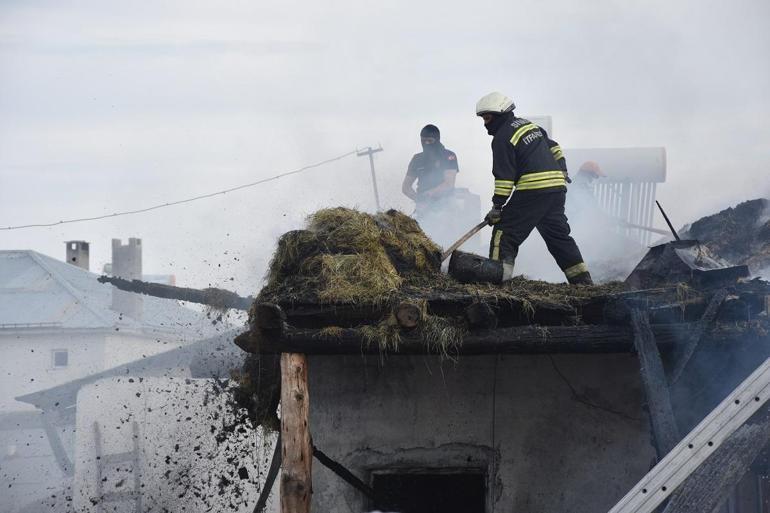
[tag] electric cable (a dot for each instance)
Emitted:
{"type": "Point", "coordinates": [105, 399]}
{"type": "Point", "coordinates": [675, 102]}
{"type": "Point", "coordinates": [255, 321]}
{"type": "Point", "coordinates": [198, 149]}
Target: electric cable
{"type": "Point", "coordinates": [187, 200]}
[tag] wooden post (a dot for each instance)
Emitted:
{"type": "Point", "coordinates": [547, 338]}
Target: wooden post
{"type": "Point", "coordinates": [297, 449]}
{"type": "Point", "coordinates": [655, 384]}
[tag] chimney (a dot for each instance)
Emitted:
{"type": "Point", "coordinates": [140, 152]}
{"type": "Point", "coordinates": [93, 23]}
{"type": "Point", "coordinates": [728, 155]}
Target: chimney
{"type": "Point", "coordinates": [77, 253]}
{"type": "Point", "coordinates": [127, 264]}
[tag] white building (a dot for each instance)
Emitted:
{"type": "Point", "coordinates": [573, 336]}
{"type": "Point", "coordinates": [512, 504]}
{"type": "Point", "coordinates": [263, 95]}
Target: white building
{"type": "Point", "coordinates": [59, 325]}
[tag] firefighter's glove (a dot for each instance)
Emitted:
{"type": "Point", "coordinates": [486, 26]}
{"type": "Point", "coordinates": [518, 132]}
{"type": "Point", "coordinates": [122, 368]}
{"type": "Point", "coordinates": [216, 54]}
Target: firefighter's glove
{"type": "Point", "coordinates": [494, 216]}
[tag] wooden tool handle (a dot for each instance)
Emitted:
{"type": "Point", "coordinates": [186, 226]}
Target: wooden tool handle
{"type": "Point", "coordinates": [473, 231]}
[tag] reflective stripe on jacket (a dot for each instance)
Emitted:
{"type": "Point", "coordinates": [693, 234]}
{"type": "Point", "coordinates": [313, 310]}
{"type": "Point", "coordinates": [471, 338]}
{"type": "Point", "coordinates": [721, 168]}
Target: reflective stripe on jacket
{"type": "Point", "coordinates": [524, 158]}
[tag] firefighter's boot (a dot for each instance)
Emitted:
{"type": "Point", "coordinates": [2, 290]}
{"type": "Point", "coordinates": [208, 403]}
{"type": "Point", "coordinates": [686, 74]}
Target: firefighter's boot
{"type": "Point", "coordinates": [581, 279]}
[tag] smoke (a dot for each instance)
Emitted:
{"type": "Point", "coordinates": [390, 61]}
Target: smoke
{"type": "Point", "coordinates": [448, 219]}
{"type": "Point", "coordinates": [610, 250]}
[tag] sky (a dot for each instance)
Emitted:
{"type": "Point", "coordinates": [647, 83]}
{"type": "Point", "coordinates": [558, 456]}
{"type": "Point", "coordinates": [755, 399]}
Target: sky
{"type": "Point", "coordinates": [112, 106]}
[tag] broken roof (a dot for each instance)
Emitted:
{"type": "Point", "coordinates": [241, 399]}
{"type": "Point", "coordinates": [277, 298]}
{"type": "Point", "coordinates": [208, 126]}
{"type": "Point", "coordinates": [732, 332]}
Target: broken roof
{"type": "Point", "coordinates": [323, 296]}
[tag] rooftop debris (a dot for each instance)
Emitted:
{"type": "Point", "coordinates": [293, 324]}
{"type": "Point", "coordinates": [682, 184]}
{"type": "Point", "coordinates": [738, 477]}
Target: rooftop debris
{"type": "Point", "coordinates": [320, 264]}
{"type": "Point", "coordinates": [684, 261]}
{"type": "Point", "coordinates": [739, 234]}
{"type": "Point", "coordinates": [351, 269]}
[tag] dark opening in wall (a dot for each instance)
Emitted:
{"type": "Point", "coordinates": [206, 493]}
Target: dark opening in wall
{"type": "Point", "coordinates": [430, 493]}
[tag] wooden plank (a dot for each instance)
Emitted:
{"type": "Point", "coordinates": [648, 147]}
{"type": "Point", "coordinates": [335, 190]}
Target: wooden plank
{"type": "Point", "coordinates": [662, 418]}
{"type": "Point", "coordinates": [297, 450]}
{"type": "Point", "coordinates": [692, 343]}
{"type": "Point", "coordinates": [714, 481]}
{"type": "Point", "coordinates": [510, 311]}
{"type": "Point", "coordinates": [511, 340]}
{"type": "Point", "coordinates": [517, 340]}
{"type": "Point", "coordinates": [211, 296]}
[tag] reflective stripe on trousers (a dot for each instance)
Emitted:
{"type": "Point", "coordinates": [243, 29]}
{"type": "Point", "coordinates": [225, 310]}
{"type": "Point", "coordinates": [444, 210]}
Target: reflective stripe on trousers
{"type": "Point", "coordinates": [496, 236]}
{"type": "Point", "coordinates": [571, 272]}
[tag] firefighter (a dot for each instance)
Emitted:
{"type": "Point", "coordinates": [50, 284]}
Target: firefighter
{"type": "Point", "coordinates": [522, 158]}
{"type": "Point", "coordinates": [581, 201]}
{"type": "Point", "coordinates": [588, 173]}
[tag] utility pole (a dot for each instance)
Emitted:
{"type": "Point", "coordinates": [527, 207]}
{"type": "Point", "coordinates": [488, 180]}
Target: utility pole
{"type": "Point", "coordinates": [369, 151]}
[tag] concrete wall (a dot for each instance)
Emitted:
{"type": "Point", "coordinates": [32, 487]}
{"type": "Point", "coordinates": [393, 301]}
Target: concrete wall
{"type": "Point", "coordinates": [26, 359]}
{"type": "Point", "coordinates": [565, 433]}
{"type": "Point", "coordinates": [28, 470]}
{"type": "Point", "coordinates": [26, 362]}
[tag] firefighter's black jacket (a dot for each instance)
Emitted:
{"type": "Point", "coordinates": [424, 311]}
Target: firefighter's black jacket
{"type": "Point", "coordinates": [525, 158]}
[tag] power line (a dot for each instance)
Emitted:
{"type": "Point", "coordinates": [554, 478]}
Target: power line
{"type": "Point", "coordinates": [188, 200]}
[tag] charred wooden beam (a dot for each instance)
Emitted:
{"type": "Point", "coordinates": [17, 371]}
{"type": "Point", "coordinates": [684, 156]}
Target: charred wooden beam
{"type": "Point", "coordinates": [664, 426]}
{"type": "Point", "coordinates": [409, 314]}
{"type": "Point", "coordinates": [481, 315]}
{"type": "Point", "coordinates": [746, 298]}
{"type": "Point", "coordinates": [692, 343]}
{"type": "Point", "coordinates": [297, 449]}
{"type": "Point", "coordinates": [512, 340]}
{"type": "Point", "coordinates": [218, 298]}
{"type": "Point", "coordinates": [269, 316]}
{"type": "Point", "coordinates": [510, 311]}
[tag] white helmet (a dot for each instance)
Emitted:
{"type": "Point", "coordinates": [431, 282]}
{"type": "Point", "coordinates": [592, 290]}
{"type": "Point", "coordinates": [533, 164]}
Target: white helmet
{"type": "Point", "coordinates": [494, 103]}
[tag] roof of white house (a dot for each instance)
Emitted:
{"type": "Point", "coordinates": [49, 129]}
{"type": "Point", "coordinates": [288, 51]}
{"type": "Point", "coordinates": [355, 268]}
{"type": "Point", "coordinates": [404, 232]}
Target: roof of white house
{"type": "Point", "coordinates": [37, 291]}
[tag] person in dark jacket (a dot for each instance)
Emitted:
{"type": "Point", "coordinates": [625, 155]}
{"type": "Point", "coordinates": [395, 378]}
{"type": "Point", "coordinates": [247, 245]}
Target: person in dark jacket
{"type": "Point", "coordinates": [524, 159]}
{"type": "Point", "coordinates": [434, 170]}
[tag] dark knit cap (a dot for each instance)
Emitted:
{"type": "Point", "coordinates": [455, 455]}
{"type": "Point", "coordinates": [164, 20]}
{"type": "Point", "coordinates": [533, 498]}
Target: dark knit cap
{"type": "Point", "coordinates": [430, 131]}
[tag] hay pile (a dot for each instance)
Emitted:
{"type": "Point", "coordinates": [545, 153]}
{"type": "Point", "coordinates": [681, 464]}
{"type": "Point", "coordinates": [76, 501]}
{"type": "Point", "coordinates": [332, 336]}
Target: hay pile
{"type": "Point", "coordinates": [349, 257]}
{"type": "Point", "coordinates": [346, 256]}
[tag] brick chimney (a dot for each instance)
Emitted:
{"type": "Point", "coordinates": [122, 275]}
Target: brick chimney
{"type": "Point", "coordinates": [77, 253]}
{"type": "Point", "coordinates": [127, 264]}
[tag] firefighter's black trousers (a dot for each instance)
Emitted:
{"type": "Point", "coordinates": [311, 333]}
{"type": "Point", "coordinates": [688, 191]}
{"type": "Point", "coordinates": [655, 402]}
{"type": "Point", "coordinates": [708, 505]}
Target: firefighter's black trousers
{"type": "Point", "coordinates": [544, 211]}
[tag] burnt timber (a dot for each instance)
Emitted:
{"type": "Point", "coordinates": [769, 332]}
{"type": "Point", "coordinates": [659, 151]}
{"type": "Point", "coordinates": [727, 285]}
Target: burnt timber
{"type": "Point", "coordinates": [513, 340]}
{"type": "Point", "coordinates": [215, 297]}
{"type": "Point", "coordinates": [601, 324]}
